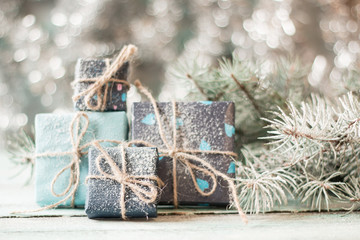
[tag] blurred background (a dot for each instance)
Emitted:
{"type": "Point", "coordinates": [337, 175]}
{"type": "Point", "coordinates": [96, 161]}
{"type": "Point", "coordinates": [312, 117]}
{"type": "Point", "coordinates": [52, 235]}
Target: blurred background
{"type": "Point", "coordinates": [40, 41]}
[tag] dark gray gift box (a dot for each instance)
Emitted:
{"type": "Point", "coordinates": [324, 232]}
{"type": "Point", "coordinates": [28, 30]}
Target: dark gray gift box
{"type": "Point", "coordinates": [93, 68]}
{"type": "Point", "coordinates": [200, 125]}
{"type": "Point", "coordinates": [103, 197]}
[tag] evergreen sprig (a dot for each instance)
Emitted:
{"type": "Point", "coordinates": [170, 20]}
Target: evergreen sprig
{"type": "Point", "coordinates": [321, 145]}
{"type": "Point", "coordinates": [21, 150]}
{"type": "Point", "coordinates": [261, 187]}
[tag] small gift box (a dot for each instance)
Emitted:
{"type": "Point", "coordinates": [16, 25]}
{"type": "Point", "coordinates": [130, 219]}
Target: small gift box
{"type": "Point", "coordinates": [62, 142]}
{"type": "Point", "coordinates": [87, 72]}
{"type": "Point", "coordinates": [200, 135]}
{"type": "Point", "coordinates": [101, 85]}
{"type": "Point", "coordinates": [122, 182]}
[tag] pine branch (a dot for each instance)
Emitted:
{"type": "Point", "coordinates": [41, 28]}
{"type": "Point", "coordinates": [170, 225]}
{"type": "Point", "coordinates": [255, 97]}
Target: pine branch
{"type": "Point", "coordinates": [352, 193]}
{"type": "Point", "coordinates": [248, 95]}
{"type": "Point", "coordinates": [201, 90]}
{"type": "Point", "coordinates": [311, 133]}
{"type": "Point", "coordinates": [261, 188]}
{"type": "Point", "coordinates": [321, 143]}
{"type": "Point", "coordinates": [318, 192]}
{"type": "Point", "coordinates": [21, 149]}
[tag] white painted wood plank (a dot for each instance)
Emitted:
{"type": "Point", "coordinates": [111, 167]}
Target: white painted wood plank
{"type": "Point", "coordinates": [269, 226]}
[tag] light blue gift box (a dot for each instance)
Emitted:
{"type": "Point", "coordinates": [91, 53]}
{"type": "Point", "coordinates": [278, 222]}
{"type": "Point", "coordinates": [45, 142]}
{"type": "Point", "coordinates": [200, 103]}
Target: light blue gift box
{"type": "Point", "coordinates": [52, 135]}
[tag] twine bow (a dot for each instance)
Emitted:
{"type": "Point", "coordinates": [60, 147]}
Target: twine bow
{"type": "Point", "coordinates": [185, 156]}
{"type": "Point", "coordinates": [142, 185]}
{"type": "Point", "coordinates": [126, 54]}
{"type": "Point", "coordinates": [77, 133]}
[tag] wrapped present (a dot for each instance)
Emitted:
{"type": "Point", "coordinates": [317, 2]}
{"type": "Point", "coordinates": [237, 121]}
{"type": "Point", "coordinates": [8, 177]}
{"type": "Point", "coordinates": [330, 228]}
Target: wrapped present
{"type": "Point", "coordinates": [101, 85]}
{"type": "Point", "coordinates": [201, 137]}
{"type": "Point", "coordinates": [62, 141]}
{"type": "Point", "coordinates": [122, 182]}
{"type": "Point", "coordinates": [92, 69]}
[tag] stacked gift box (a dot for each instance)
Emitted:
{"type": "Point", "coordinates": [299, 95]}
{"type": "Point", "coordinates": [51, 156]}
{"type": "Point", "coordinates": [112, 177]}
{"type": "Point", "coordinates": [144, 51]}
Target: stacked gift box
{"type": "Point", "coordinates": [83, 158]}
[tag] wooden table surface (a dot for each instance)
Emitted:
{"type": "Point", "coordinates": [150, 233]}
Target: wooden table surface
{"type": "Point", "coordinates": [182, 224]}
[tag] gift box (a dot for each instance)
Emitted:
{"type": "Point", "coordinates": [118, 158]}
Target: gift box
{"type": "Point", "coordinates": [203, 126]}
{"type": "Point", "coordinates": [91, 69]}
{"type": "Point", "coordinates": [105, 193]}
{"type": "Point", "coordinates": [54, 150]}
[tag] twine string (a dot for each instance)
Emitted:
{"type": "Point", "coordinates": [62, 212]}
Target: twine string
{"type": "Point", "coordinates": [95, 89]}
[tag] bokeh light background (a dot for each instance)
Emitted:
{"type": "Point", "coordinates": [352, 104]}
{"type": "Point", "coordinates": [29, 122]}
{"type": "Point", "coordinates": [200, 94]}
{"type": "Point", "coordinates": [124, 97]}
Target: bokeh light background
{"type": "Point", "coordinates": [40, 41]}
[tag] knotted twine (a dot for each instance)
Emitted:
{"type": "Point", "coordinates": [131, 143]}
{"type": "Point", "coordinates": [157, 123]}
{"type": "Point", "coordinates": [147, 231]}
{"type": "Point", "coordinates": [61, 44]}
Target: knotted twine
{"type": "Point", "coordinates": [74, 165]}
{"type": "Point", "coordinates": [141, 185]}
{"type": "Point", "coordinates": [186, 155]}
{"type": "Point", "coordinates": [126, 54]}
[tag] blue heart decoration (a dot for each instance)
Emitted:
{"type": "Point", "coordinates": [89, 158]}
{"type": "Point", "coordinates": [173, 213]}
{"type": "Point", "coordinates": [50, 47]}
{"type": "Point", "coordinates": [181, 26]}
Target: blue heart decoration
{"type": "Point", "coordinates": [229, 130]}
{"type": "Point", "coordinates": [123, 97]}
{"type": "Point", "coordinates": [179, 123]}
{"type": "Point", "coordinates": [231, 168]}
{"type": "Point", "coordinates": [202, 184]}
{"type": "Point", "coordinates": [149, 119]}
{"type": "Point", "coordinates": [206, 102]}
{"type": "Point", "coordinates": [204, 146]}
